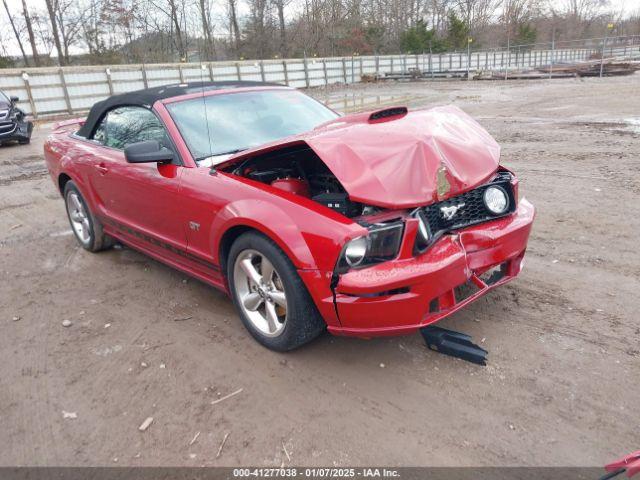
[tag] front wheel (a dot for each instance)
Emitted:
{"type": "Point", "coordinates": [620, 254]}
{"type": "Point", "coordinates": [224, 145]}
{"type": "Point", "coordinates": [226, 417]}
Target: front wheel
{"type": "Point", "coordinates": [270, 297]}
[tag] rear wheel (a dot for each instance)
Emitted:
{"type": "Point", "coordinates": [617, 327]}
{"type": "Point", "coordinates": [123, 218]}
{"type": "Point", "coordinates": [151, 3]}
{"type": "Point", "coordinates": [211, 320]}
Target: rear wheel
{"type": "Point", "coordinates": [86, 228]}
{"type": "Point", "coordinates": [270, 297]}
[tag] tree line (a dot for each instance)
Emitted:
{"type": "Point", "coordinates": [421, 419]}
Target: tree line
{"type": "Point", "coordinates": [66, 32]}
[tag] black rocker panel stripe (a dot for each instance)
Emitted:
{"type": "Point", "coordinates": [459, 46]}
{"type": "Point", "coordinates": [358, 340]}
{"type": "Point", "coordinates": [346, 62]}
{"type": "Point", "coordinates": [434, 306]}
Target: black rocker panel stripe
{"type": "Point", "coordinates": [154, 241]}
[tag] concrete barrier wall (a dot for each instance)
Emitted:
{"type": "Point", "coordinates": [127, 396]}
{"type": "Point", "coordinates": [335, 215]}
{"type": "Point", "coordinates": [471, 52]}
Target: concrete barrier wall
{"type": "Point", "coordinates": [69, 90]}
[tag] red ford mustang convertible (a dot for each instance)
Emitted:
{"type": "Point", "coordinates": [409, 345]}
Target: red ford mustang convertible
{"type": "Point", "coordinates": [369, 224]}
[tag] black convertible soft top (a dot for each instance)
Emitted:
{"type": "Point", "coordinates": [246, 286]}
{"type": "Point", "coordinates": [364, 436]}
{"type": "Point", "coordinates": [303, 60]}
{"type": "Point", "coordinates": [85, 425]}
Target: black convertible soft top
{"type": "Point", "coordinates": [148, 96]}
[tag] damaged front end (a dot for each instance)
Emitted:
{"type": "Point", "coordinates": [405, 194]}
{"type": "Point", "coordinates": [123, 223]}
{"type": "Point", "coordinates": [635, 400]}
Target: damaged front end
{"type": "Point", "coordinates": [427, 281]}
{"type": "Point", "coordinates": [13, 123]}
{"type": "Point", "coordinates": [442, 223]}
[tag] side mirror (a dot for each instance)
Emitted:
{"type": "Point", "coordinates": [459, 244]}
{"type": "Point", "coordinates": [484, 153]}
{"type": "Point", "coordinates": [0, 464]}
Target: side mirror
{"type": "Point", "coordinates": [149, 151]}
{"type": "Point", "coordinates": [14, 99]}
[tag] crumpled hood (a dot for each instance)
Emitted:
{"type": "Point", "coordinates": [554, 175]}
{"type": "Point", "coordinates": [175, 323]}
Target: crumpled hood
{"type": "Point", "coordinates": [419, 158]}
{"type": "Point", "coordinates": [399, 162]}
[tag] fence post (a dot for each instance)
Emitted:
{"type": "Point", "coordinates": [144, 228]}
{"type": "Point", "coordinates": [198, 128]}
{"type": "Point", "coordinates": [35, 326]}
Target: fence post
{"type": "Point", "coordinates": [65, 91]}
{"type": "Point", "coordinates": [306, 71]}
{"type": "Point", "coordinates": [324, 69]}
{"type": "Point", "coordinates": [553, 47]}
{"type": "Point", "coordinates": [238, 73]}
{"type": "Point", "coordinates": [286, 72]}
{"type": "Point", "coordinates": [392, 64]}
{"type": "Point", "coordinates": [181, 73]}
{"type": "Point", "coordinates": [377, 64]}
{"type": "Point", "coordinates": [107, 72]}
{"type": "Point", "coordinates": [344, 70]}
{"type": "Point", "coordinates": [353, 78]}
{"type": "Point", "coordinates": [27, 86]}
{"type": "Point", "coordinates": [262, 71]}
{"type": "Point", "coordinates": [211, 71]}
{"type": "Point", "coordinates": [144, 77]}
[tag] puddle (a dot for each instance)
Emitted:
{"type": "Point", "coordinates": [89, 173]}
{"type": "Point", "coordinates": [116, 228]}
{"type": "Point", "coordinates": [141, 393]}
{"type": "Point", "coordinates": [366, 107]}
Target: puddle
{"type": "Point", "coordinates": [633, 124]}
{"type": "Point", "coordinates": [358, 102]}
{"type": "Point", "coordinates": [625, 126]}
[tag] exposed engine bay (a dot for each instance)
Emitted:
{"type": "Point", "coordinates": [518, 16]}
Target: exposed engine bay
{"type": "Point", "coordinates": [298, 170]}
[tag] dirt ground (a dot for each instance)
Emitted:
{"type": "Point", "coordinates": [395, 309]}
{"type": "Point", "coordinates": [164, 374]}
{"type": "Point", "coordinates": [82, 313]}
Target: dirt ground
{"type": "Point", "coordinates": [561, 387]}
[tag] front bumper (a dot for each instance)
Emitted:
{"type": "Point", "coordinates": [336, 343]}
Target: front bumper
{"type": "Point", "coordinates": [15, 130]}
{"type": "Point", "coordinates": [401, 296]}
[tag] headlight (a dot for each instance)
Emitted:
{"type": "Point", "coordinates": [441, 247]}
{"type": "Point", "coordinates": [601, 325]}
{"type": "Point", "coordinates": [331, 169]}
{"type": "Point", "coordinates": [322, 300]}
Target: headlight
{"type": "Point", "coordinates": [381, 244]}
{"type": "Point", "coordinates": [355, 251]}
{"type": "Point", "coordinates": [496, 200]}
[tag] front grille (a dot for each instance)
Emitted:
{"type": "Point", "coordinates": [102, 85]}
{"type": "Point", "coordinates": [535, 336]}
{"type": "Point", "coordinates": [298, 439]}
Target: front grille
{"type": "Point", "coordinates": [7, 128]}
{"type": "Point", "coordinates": [472, 212]}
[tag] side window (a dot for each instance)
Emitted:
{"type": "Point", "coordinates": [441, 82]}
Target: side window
{"type": "Point", "coordinates": [125, 125]}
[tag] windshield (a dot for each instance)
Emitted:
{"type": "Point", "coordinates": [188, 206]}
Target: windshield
{"type": "Point", "coordinates": [219, 125]}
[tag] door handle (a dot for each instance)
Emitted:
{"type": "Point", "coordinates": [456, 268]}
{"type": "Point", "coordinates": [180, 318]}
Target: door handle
{"type": "Point", "coordinates": [101, 168]}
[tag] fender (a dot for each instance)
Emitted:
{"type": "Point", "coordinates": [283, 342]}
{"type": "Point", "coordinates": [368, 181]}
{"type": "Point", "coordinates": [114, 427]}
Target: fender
{"type": "Point", "coordinates": [269, 219]}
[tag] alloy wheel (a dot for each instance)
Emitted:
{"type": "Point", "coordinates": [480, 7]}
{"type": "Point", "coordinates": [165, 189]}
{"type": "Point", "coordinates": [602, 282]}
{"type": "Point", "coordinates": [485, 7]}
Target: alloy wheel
{"type": "Point", "coordinates": [260, 292]}
{"type": "Point", "coordinates": [79, 218]}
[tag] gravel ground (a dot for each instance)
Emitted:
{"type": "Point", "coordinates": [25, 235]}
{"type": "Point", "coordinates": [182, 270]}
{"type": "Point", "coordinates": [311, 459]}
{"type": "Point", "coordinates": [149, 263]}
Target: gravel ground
{"type": "Point", "coordinates": [561, 385]}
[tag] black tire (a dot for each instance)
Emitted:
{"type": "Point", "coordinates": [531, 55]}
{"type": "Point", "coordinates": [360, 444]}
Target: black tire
{"type": "Point", "coordinates": [303, 321]}
{"type": "Point", "coordinates": [97, 239]}
{"type": "Point", "coordinates": [24, 142]}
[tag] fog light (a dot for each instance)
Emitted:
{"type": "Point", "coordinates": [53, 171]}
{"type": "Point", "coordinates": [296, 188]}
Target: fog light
{"type": "Point", "coordinates": [355, 251]}
{"type": "Point", "coordinates": [496, 200]}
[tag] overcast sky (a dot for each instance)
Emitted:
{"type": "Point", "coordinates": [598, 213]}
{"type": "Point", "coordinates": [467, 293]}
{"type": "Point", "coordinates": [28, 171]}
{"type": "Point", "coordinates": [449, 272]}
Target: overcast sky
{"type": "Point", "coordinates": [627, 6]}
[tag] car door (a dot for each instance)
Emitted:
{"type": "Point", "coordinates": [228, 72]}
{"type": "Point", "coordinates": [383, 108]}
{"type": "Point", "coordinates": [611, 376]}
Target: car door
{"type": "Point", "coordinates": [141, 201]}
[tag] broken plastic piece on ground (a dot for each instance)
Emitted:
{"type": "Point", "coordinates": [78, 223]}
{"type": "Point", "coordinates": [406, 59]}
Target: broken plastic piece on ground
{"type": "Point", "coordinates": [629, 464]}
{"type": "Point", "coordinates": [455, 344]}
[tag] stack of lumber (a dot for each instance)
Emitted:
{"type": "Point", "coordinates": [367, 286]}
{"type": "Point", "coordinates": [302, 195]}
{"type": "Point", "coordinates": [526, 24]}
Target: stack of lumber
{"type": "Point", "coordinates": [586, 68]}
{"type": "Point", "coordinates": [591, 68]}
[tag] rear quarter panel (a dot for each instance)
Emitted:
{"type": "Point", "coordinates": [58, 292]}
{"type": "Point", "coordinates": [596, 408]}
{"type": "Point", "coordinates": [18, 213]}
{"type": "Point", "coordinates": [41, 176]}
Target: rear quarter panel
{"type": "Point", "coordinates": [59, 150]}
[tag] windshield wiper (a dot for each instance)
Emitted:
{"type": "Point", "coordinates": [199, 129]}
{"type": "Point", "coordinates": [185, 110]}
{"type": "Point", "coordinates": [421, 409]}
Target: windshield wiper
{"type": "Point", "coordinates": [230, 152]}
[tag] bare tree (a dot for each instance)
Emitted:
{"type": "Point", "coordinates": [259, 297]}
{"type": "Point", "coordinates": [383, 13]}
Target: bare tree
{"type": "Point", "coordinates": [69, 20]}
{"type": "Point", "coordinates": [579, 15]}
{"type": "Point", "coordinates": [207, 29]}
{"type": "Point", "coordinates": [51, 9]}
{"type": "Point", "coordinates": [282, 26]}
{"type": "Point", "coordinates": [16, 33]}
{"type": "Point", "coordinates": [32, 39]}
{"type": "Point", "coordinates": [477, 14]}
{"type": "Point", "coordinates": [91, 27]}
{"type": "Point", "coordinates": [516, 13]}
{"type": "Point", "coordinates": [233, 24]}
